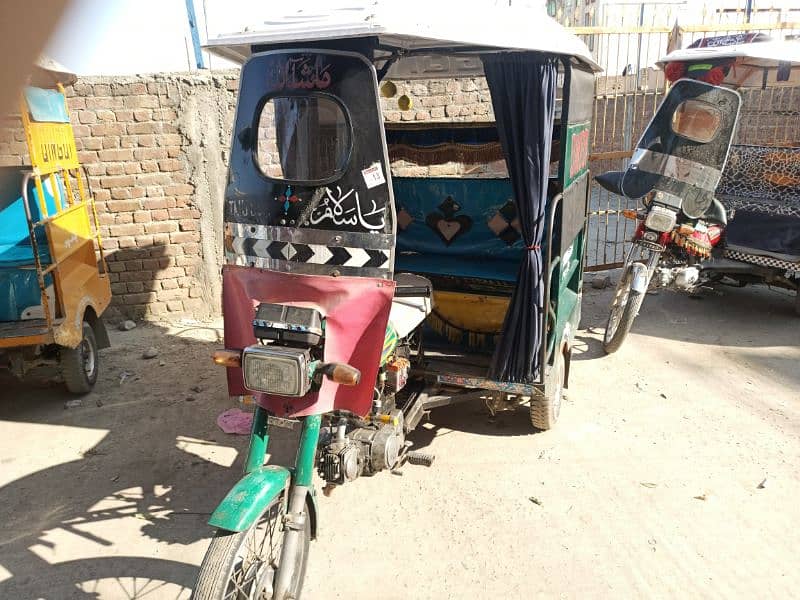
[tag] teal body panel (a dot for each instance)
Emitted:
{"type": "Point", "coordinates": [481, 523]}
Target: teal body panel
{"type": "Point", "coordinates": [307, 452]}
{"type": "Point", "coordinates": [262, 483]}
{"type": "Point", "coordinates": [249, 498]}
{"type": "Point", "coordinates": [259, 439]}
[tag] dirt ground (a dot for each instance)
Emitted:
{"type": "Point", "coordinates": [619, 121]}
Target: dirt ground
{"type": "Point", "coordinates": [649, 486]}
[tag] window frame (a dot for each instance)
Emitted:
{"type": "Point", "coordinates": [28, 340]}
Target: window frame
{"type": "Point", "coordinates": [338, 174]}
{"type": "Point", "coordinates": [706, 105]}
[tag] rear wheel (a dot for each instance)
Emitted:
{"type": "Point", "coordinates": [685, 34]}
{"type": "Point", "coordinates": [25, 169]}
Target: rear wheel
{"type": "Point", "coordinates": [546, 402]}
{"type": "Point", "coordinates": [243, 565]}
{"type": "Point", "coordinates": [797, 303]}
{"type": "Point", "coordinates": [624, 309]}
{"type": "Point", "coordinates": [79, 365]}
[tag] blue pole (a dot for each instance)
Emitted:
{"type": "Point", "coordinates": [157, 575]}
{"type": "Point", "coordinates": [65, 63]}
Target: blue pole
{"type": "Point", "coordinates": [198, 53]}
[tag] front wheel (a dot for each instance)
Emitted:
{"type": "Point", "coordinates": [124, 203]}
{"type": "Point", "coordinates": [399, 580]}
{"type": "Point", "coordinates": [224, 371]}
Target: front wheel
{"type": "Point", "coordinates": [624, 309]}
{"type": "Point", "coordinates": [242, 565]}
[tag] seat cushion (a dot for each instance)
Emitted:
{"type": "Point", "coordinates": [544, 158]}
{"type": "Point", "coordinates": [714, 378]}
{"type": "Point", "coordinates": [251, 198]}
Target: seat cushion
{"type": "Point", "coordinates": [756, 232]}
{"type": "Point", "coordinates": [408, 313]}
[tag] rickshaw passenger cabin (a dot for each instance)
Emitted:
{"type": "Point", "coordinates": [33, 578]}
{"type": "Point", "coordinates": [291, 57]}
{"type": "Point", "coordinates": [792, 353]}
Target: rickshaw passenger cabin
{"type": "Point", "coordinates": [306, 120]}
{"type": "Point", "coordinates": [54, 285]}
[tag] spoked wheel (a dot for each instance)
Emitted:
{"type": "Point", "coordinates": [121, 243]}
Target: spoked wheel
{"type": "Point", "coordinates": [79, 365]}
{"type": "Point", "coordinates": [243, 565]}
{"type": "Point", "coordinates": [624, 309]}
{"type": "Point", "coordinates": [546, 402]}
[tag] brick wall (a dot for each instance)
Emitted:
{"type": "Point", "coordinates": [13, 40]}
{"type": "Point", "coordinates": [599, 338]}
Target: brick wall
{"type": "Point", "coordinates": [154, 148]}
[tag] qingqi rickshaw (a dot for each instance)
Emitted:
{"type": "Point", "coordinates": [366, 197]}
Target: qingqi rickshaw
{"type": "Point", "coordinates": [54, 285]}
{"type": "Point", "coordinates": [355, 300]}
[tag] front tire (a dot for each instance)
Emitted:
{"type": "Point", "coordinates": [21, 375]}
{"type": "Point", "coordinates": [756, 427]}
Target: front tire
{"type": "Point", "coordinates": [79, 365]}
{"type": "Point", "coordinates": [242, 565]}
{"type": "Point", "coordinates": [624, 309]}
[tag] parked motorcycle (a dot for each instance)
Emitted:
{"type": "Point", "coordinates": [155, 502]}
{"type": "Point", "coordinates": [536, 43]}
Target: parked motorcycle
{"type": "Point", "coordinates": [701, 224]}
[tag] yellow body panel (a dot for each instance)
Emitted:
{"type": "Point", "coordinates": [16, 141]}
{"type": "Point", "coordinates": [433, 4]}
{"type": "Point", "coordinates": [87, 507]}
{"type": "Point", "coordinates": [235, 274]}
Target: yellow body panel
{"type": "Point", "coordinates": [68, 230]}
{"type": "Point", "coordinates": [474, 312]}
{"type": "Point", "coordinates": [18, 341]}
{"type": "Point", "coordinates": [51, 147]}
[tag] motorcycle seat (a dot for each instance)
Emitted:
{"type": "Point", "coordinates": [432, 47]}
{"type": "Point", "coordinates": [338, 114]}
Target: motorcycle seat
{"type": "Point", "coordinates": [409, 311]}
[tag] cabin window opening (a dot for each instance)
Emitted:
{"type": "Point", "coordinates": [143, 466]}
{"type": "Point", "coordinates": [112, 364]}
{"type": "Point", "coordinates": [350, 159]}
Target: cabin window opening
{"type": "Point", "coordinates": [303, 139]}
{"type": "Point", "coordinates": [697, 121]}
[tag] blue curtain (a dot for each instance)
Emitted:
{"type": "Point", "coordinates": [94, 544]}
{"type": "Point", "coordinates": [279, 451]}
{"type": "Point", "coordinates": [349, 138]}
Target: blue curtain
{"type": "Point", "coordinates": [523, 90]}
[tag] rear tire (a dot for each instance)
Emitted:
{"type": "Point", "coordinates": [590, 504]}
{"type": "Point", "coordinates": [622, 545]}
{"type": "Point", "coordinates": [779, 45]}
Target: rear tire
{"type": "Point", "coordinates": [797, 303]}
{"type": "Point", "coordinates": [546, 403]}
{"type": "Point", "coordinates": [232, 569]}
{"type": "Point", "coordinates": [624, 309]}
{"type": "Point", "coordinates": [79, 365]}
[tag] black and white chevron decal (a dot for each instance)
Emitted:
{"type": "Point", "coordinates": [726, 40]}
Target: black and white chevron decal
{"type": "Point", "coordinates": [763, 261]}
{"type": "Point", "coordinates": [340, 256]}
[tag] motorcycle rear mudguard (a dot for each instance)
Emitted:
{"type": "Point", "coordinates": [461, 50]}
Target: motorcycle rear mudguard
{"type": "Point", "coordinates": [639, 277]}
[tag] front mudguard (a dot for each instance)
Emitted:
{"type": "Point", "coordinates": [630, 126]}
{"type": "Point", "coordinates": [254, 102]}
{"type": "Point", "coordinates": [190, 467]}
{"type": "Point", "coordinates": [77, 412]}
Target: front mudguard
{"type": "Point", "coordinates": [640, 277]}
{"type": "Point", "coordinates": [250, 497]}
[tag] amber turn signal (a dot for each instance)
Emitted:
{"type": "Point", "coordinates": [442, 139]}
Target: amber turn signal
{"type": "Point", "coordinates": [630, 214]}
{"type": "Point", "coordinates": [342, 373]}
{"type": "Point", "coordinates": [227, 358]}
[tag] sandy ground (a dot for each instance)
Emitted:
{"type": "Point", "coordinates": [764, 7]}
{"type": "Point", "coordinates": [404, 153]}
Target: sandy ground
{"type": "Point", "coordinates": [649, 486]}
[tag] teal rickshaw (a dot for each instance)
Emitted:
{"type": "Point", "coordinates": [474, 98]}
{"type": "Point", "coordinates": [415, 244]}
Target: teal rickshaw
{"type": "Point", "coordinates": [359, 294]}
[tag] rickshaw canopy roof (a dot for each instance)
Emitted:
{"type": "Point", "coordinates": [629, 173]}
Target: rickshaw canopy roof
{"type": "Point", "coordinates": [416, 26]}
{"type": "Point", "coordinates": [48, 73]}
{"type": "Point", "coordinates": [761, 54]}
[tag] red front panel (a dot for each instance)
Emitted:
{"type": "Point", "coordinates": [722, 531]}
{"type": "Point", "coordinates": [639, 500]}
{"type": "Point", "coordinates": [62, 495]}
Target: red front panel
{"type": "Point", "coordinates": [356, 311]}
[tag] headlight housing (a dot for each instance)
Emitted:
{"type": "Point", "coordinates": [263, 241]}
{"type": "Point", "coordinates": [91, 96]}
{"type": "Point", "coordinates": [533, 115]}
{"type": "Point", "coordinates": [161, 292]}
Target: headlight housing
{"type": "Point", "coordinates": [660, 219]}
{"type": "Point", "coordinates": [276, 370]}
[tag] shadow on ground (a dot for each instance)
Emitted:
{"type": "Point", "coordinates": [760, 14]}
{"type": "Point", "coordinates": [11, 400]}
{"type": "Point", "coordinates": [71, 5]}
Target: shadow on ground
{"type": "Point", "coordinates": [757, 325]}
{"type": "Point", "coordinates": [752, 316]}
{"type": "Point", "coordinates": [150, 465]}
{"type": "Point", "coordinates": [146, 463]}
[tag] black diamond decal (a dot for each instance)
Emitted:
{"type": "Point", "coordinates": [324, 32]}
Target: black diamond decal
{"type": "Point", "coordinates": [449, 207]}
{"type": "Point", "coordinates": [509, 211]}
{"type": "Point", "coordinates": [509, 235]}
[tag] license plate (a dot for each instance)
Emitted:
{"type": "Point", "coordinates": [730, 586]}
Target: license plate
{"type": "Point", "coordinates": [282, 423]}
